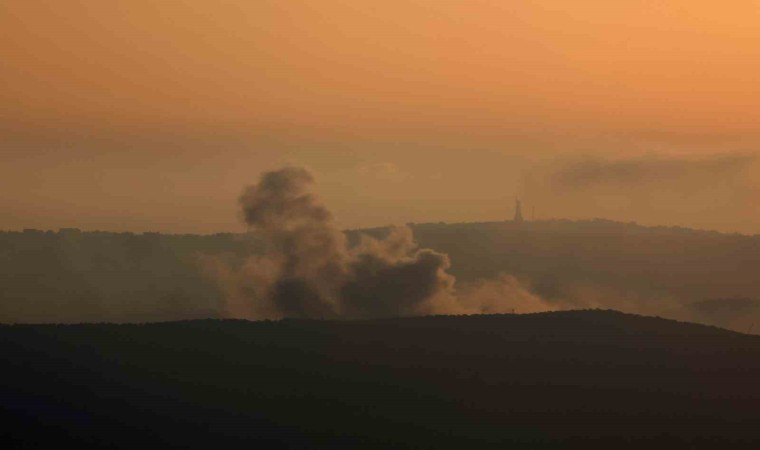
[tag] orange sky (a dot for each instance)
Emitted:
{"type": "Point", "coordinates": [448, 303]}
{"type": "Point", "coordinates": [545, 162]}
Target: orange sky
{"type": "Point", "coordinates": [152, 115]}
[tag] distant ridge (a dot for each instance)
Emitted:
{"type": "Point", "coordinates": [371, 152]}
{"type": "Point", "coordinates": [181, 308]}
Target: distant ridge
{"type": "Point", "coordinates": [72, 276]}
{"type": "Point", "coordinates": [623, 321]}
{"type": "Point", "coordinates": [552, 221]}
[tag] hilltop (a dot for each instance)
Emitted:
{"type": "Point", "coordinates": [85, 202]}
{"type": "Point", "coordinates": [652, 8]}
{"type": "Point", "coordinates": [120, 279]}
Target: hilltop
{"type": "Point", "coordinates": [72, 276]}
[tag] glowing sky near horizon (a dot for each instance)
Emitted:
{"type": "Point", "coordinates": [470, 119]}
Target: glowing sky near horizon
{"type": "Point", "coordinates": [150, 115]}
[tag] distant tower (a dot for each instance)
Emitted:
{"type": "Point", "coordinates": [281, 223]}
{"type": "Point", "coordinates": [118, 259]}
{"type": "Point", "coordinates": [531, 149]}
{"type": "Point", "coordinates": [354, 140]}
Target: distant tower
{"type": "Point", "coordinates": [518, 212]}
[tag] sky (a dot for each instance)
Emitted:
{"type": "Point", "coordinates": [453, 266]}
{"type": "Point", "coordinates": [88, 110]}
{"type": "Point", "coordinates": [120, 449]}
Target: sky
{"type": "Point", "coordinates": [135, 115]}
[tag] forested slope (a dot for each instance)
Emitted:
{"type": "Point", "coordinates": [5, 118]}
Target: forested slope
{"type": "Point", "coordinates": [581, 379]}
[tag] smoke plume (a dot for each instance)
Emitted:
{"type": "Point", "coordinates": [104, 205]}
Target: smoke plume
{"type": "Point", "coordinates": [307, 268]}
{"type": "Point", "coordinates": [304, 267]}
{"type": "Point", "coordinates": [593, 172]}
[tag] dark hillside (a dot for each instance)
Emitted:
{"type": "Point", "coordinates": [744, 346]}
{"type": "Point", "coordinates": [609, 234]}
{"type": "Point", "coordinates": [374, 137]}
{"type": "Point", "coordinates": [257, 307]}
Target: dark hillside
{"type": "Point", "coordinates": [577, 379]}
{"type": "Point", "coordinates": [666, 271]}
{"type": "Point", "coordinates": [554, 253]}
{"type": "Point", "coordinates": [72, 276]}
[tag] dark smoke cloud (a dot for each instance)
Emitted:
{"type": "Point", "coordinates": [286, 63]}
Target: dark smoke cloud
{"type": "Point", "coordinates": [391, 277]}
{"type": "Point", "coordinates": [302, 240]}
{"type": "Point", "coordinates": [599, 171]}
{"type": "Point", "coordinates": [308, 269]}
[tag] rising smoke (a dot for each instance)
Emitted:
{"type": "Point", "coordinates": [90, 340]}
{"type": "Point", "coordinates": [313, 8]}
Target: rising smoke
{"type": "Point", "coordinates": [307, 268]}
{"type": "Point", "coordinates": [594, 172]}
{"type": "Point", "coordinates": [296, 263]}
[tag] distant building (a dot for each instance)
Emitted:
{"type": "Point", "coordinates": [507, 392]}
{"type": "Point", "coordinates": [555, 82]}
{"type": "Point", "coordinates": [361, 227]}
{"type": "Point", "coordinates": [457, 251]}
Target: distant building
{"type": "Point", "coordinates": [518, 212]}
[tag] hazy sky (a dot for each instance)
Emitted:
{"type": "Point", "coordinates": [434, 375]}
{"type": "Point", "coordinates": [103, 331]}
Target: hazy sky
{"type": "Point", "coordinates": [152, 115]}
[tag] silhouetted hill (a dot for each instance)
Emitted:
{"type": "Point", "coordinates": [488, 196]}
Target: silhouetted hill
{"type": "Point", "coordinates": [579, 379]}
{"type": "Point", "coordinates": [694, 264]}
{"type": "Point", "coordinates": [601, 263]}
{"type": "Point", "coordinates": [73, 276]}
